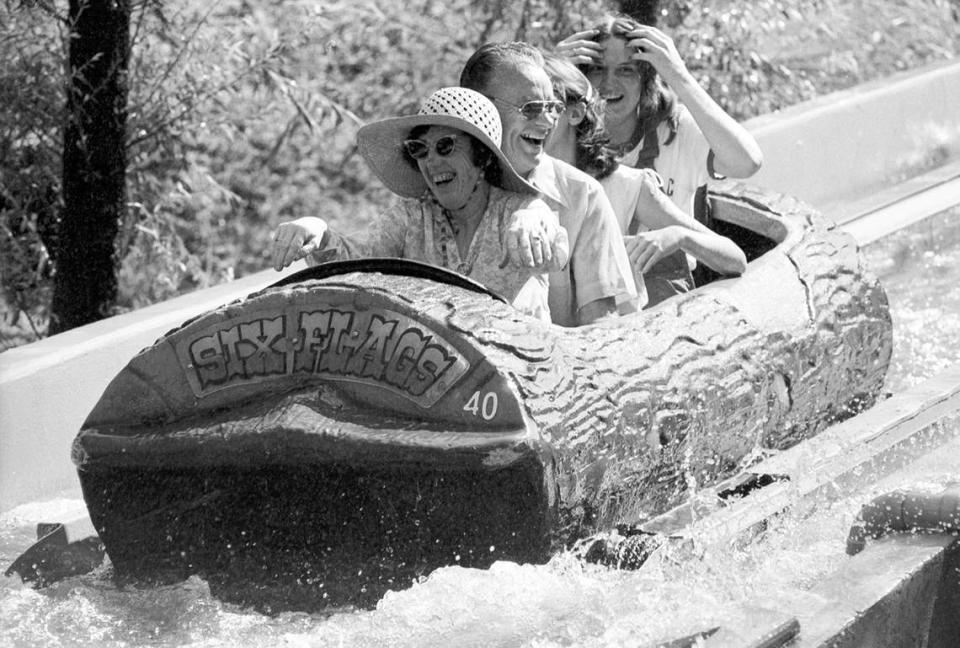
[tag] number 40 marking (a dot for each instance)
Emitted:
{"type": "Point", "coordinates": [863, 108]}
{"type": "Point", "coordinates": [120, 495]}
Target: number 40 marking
{"type": "Point", "coordinates": [487, 408]}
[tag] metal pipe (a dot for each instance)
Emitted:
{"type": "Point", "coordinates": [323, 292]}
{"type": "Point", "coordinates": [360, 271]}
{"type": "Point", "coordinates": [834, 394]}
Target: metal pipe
{"type": "Point", "coordinates": [906, 511]}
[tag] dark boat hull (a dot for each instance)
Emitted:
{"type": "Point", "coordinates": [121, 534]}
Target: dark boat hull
{"type": "Point", "coordinates": [326, 440]}
{"type": "Point", "coordinates": [281, 537]}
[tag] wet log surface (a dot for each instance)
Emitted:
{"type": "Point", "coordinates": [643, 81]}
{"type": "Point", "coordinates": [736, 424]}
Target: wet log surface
{"type": "Point", "coordinates": [640, 410]}
{"type": "Point", "coordinates": [598, 426]}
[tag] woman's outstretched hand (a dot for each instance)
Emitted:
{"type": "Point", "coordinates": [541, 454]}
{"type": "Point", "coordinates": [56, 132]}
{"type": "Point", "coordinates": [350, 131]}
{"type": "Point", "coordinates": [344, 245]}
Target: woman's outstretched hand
{"type": "Point", "coordinates": [295, 239]}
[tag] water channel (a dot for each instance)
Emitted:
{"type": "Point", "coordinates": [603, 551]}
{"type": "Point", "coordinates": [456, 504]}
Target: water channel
{"type": "Point", "coordinates": [563, 603]}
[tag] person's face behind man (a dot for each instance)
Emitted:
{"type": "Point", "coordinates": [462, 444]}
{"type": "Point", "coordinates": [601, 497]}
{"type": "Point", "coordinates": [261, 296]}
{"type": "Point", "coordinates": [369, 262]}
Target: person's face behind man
{"type": "Point", "coordinates": [523, 138]}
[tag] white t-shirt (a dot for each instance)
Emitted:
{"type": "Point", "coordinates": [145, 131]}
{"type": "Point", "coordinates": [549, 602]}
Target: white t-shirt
{"type": "Point", "coordinates": [598, 266]}
{"type": "Point", "coordinates": [623, 189]}
{"type": "Point", "coordinates": [682, 163]}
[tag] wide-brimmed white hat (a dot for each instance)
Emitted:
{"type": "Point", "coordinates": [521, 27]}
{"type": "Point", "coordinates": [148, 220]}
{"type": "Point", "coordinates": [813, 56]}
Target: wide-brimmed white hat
{"type": "Point", "coordinates": [381, 142]}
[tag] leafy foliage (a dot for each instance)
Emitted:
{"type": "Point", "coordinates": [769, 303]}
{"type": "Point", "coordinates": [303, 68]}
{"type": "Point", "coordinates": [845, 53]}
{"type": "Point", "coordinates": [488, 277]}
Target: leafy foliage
{"type": "Point", "coordinates": [243, 113]}
{"type": "Point", "coordinates": [31, 100]}
{"type": "Point", "coordinates": [769, 54]}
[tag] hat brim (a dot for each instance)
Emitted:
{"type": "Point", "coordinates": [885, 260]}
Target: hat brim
{"type": "Point", "coordinates": [381, 145]}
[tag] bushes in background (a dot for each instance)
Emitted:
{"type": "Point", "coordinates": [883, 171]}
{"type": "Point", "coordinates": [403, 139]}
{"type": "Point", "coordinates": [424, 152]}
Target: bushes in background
{"type": "Point", "coordinates": [243, 113]}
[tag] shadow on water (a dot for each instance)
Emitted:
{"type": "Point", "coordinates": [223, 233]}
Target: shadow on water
{"type": "Point", "coordinates": [358, 534]}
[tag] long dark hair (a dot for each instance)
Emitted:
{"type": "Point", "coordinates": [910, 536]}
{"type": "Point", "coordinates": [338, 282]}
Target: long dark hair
{"type": "Point", "coordinates": [593, 152]}
{"type": "Point", "coordinates": [658, 103]}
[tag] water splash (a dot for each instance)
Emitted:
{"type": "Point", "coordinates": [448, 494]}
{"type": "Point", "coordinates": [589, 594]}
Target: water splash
{"type": "Point", "coordinates": [562, 603]}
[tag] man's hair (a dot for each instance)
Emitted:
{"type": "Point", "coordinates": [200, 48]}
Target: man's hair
{"type": "Point", "coordinates": [484, 63]}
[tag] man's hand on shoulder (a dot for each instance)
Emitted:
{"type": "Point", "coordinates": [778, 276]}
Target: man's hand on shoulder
{"type": "Point", "coordinates": [534, 238]}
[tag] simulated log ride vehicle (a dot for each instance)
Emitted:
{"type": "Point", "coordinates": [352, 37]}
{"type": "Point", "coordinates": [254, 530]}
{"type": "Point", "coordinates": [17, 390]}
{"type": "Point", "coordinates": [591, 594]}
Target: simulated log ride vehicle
{"type": "Point", "coordinates": [361, 423]}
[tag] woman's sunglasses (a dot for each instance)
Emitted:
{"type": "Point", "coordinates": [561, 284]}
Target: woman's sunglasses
{"type": "Point", "coordinates": [418, 149]}
{"type": "Point", "coordinates": [533, 109]}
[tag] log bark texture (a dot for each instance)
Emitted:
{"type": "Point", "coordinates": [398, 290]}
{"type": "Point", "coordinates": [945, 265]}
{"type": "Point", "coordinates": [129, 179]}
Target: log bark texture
{"type": "Point", "coordinates": [594, 426]}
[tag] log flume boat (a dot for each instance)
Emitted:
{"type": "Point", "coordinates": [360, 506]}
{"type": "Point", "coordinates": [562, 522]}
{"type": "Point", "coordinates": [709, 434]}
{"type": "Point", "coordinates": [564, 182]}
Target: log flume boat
{"type": "Point", "coordinates": [361, 423]}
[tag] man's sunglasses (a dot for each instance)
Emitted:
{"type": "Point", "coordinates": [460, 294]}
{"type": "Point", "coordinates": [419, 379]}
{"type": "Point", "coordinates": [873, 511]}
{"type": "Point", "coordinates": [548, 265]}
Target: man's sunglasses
{"type": "Point", "coordinates": [418, 149]}
{"type": "Point", "coordinates": [533, 109]}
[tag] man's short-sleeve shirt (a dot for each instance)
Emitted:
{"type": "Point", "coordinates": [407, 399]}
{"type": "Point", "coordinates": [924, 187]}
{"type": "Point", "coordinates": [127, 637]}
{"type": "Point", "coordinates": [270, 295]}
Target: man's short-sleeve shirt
{"type": "Point", "coordinates": [598, 266]}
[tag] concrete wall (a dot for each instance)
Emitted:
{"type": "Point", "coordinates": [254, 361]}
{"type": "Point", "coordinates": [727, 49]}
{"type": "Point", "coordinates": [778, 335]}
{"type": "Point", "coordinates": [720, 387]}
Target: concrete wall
{"type": "Point", "coordinates": [47, 388]}
{"type": "Point", "coordinates": [835, 147]}
{"type": "Point", "coordinates": [850, 143]}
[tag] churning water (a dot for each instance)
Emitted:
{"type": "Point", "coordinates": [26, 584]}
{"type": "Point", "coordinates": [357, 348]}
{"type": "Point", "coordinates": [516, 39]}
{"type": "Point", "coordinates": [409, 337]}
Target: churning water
{"type": "Point", "coordinates": [920, 269]}
{"type": "Point", "coordinates": [563, 603]}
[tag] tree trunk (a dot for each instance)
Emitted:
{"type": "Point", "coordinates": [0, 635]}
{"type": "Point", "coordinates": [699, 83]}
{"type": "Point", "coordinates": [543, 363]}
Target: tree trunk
{"type": "Point", "coordinates": [94, 163]}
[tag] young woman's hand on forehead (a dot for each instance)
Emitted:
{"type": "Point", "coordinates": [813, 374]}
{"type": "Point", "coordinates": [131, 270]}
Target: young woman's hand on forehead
{"type": "Point", "coordinates": [580, 48]}
{"type": "Point", "coordinates": [657, 49]}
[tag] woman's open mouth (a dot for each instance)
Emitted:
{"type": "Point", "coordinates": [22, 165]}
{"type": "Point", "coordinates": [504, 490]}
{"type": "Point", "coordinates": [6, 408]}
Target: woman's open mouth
{"type": "Point", "coordinates": [440, 179]}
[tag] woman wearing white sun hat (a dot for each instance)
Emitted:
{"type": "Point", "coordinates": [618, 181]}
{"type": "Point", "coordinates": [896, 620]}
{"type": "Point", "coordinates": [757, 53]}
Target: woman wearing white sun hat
{"type": "Point", "coordinates": [458, 190]}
